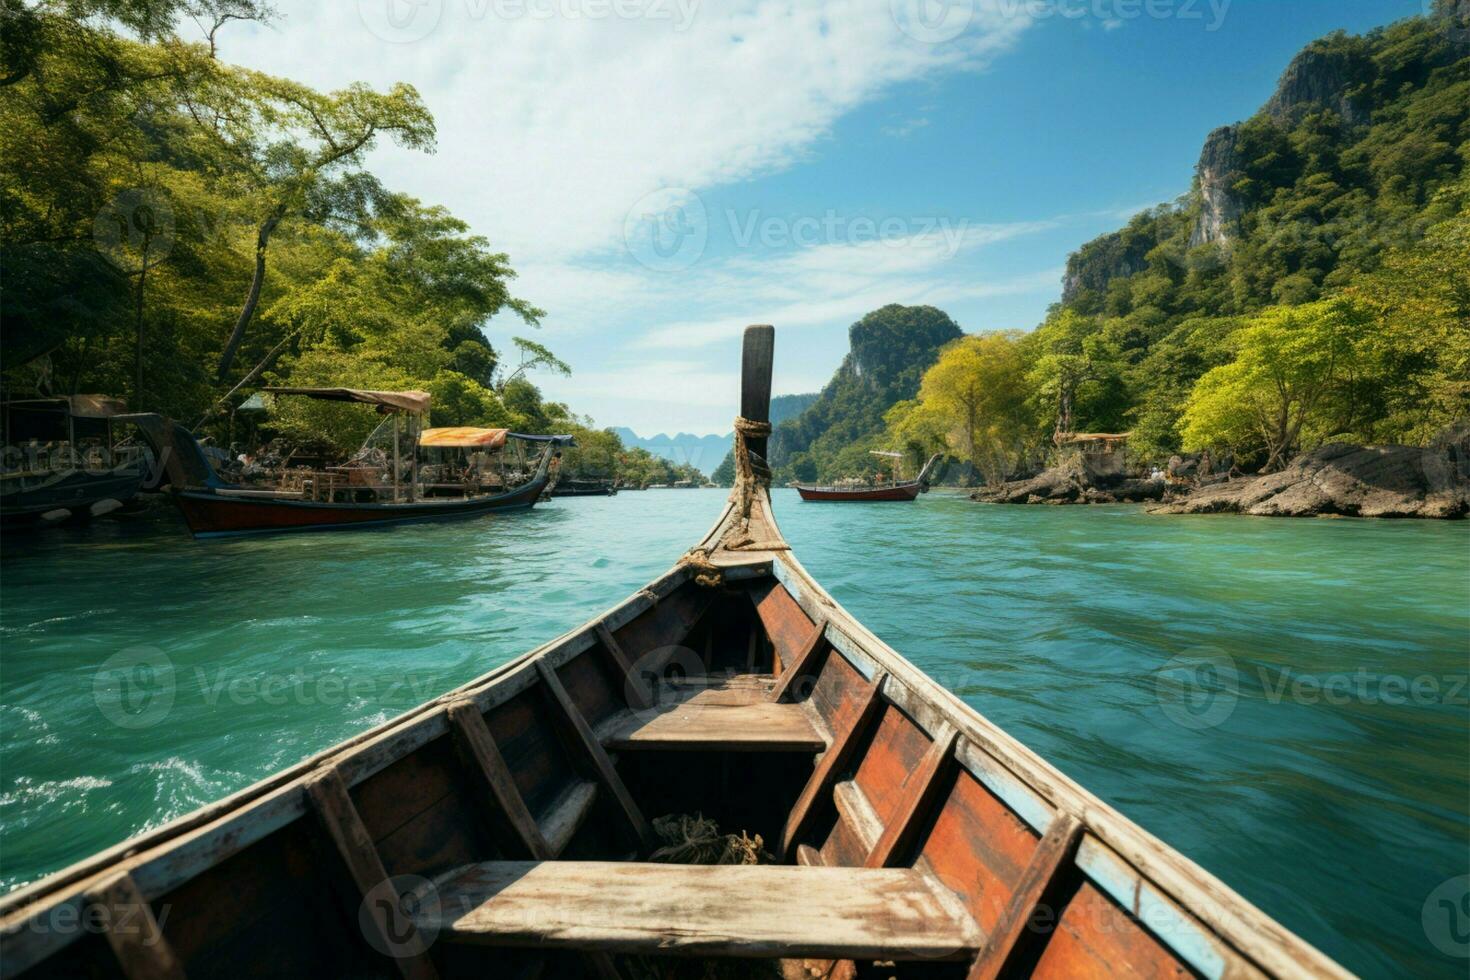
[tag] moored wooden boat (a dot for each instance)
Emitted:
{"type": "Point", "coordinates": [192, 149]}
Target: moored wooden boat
{"type": "Point", "coordinates": [897, 490]}
{"type": "Point", "coordinates": [504, 828]}
{"type": "Point", "coordinates": [347, 497]}
{"type": "Point", "coordinates": [61, 460]}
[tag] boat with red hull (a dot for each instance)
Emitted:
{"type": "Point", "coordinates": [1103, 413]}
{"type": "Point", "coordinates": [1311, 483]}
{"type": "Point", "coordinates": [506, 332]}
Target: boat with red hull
{"type": "Point", "coordinates": [219, 513]}
{"type": "Point", "coordinates": [361, 494]}
{"type": "Point", "coordinates": [895, 491]}
{"type": "Point", "coordinates": [902, 490]}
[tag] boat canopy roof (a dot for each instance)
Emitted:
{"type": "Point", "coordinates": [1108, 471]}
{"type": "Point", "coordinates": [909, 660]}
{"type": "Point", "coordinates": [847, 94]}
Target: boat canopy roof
{"type": "Point", "coordinates": [1075, 437]}
{"type": "Point", "coordinates": [559, 440]}
{"type": "Point", "coordinates": [387, 401]}
{"type": "Point", "coordinates": [80, 406]}
{"type": "Point", "coordinates": [470, 437]}
{"type": "Point", "coordinates": [465, 436]}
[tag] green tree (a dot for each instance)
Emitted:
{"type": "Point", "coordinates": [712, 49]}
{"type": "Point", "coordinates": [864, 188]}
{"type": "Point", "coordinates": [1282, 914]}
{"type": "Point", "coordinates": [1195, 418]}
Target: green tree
{"type": "Point", "coordinates": [976, 394]}
{"type": "Point", "coordinates": [1285, 386]}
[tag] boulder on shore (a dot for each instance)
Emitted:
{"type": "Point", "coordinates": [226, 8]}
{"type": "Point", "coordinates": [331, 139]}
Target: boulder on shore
{"type": "Point", "coordinates": [1068, 484]}
{"type": "Point", "coordinates": [1344, 480]}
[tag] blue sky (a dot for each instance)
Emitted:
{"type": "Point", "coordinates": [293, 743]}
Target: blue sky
{"type": "Point", "coordinates": [663, 172]}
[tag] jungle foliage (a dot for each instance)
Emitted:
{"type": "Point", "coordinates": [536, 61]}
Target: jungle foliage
{"type": "Point", "coordinates": [1336, 307]}
{"type": "Point", "coordinates": [175, 226]}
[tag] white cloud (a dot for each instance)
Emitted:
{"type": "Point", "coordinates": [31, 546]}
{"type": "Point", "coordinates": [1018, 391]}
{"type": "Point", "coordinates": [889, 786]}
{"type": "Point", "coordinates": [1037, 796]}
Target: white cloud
{"type": "Point", "coordinates": [551, 128]}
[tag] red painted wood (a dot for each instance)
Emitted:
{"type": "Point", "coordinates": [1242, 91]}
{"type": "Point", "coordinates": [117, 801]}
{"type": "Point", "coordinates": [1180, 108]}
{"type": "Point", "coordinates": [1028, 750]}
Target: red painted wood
{"type": "Point", "coordinates": [978, 848]}
{"type": "Point", "coordinates": [903, 491]}
{"type": "Point", "coordinates": [785, 623]}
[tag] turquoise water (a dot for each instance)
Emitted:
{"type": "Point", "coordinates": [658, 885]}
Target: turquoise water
{"type": "Point", "coordinates": [1319, 762]}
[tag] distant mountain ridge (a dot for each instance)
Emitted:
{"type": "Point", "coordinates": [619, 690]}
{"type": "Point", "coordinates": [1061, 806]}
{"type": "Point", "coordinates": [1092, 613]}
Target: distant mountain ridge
{"type": "Point", "coordinates": [706, 452]}
{"type": "Point", "coordinates": [702, 452]}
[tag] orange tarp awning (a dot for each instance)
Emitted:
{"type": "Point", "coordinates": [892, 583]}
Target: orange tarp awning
{"type": "Point", "coordinates": [463, 436]}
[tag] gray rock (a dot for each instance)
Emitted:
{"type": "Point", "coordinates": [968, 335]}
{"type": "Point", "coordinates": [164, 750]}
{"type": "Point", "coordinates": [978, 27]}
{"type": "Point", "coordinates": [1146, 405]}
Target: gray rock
{"type": "Point", "coordinates": [1344, 480]}
{"type": "Point", "coordinates": [1067, 484]}
{"type": "Point", "coordinates": [1220, 210]}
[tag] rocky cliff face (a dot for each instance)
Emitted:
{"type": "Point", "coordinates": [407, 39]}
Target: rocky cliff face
{"type": "Point", "coordinates": [889, 351]}
{"type": "Point", "coordinates": [1325, 75]}
{"type": "Point", "coordinates": [1102, 260]}
{"type": "Point", "coordinates": [1322, 76]}
{"type": "Point", "coordinates": [1220, 209]}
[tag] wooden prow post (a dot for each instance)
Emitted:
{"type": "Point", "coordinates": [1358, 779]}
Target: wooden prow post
{"type": "Point", "coordinates": [755, 380]}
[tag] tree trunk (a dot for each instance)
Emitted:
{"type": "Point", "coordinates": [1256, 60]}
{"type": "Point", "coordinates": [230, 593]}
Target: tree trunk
{"type": "Point", "coordinates": [252, 297]}
{"type": "Point", "coordinates": [137, 405]}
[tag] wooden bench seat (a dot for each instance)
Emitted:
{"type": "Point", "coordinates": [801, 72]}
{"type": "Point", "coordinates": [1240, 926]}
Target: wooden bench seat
{"type": "Point", "coordinates": [734, 715]}
{"type": "Point", "coordinates": [692, 910]}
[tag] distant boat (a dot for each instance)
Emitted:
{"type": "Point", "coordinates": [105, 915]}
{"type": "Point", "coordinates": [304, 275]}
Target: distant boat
{"type": "Point", "coordinates": [486, 470]}
{"type": "Point", "coordinates": [511, 827]}
{"type": "Point", "coordinates": [897, 490]}
{"type": "Point", "coordinates": [62, 461]}
{"type": "Point", "coordinates": [583, 488]}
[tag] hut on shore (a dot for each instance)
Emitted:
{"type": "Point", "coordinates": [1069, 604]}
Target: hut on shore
{"type": "Point", "coordinates": [1103, 455]}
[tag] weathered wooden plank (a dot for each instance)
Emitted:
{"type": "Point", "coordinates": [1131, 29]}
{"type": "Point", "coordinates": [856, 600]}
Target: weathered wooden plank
{"type": "Point", "coordinates": [715, 719]}
{"type": "Point", "coordinates": [861, 819]}
{"type": "Point", "coordinates": [688, 910]}
{"type": "Point", "coordinates": [632, 686]}
{"type": "Point", "coordinates": [602, 766]}
{"type": "Point", "coordinates": [800, 665]}
{"type": "Point", "coordinates": [479, 747]}
{"type": "Point", "coordinates": [756, 358]}
{"type": "Point", "coordinates": [567, 814]}
{"type": "Point", "coordinates": [919, 795]}
{"type": "Point", "coordinates": [1037, 883]}
{"type": "Point", "coordinates": [133, 931]}
{"type": "Point", "coordinates": [896, 748]}
{"type": "Point", "coordinates": [833, 762]}
{"type": "Point", "coordinates": [396, 932]}
{"type": "Point", "coordinates": [783, 620]}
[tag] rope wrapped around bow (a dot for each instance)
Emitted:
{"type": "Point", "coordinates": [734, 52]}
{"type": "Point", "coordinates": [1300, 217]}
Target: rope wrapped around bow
{"type": "Point", "coordinates": [751, 472]}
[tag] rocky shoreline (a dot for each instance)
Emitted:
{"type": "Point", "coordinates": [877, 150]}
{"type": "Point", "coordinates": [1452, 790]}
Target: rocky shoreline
{"type": "Point", "coordinates": [1341, 480]}
{"type": "Point", "coordinates": [1335, 480]}
{"type": "Point", "coordinates": [1068, 484]}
